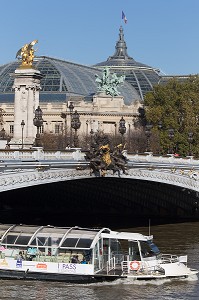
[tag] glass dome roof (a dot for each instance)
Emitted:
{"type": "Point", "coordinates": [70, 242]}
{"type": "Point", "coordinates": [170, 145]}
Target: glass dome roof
{"type": "Point", "coordinates": [40, 236]}
{"type": "Point", "coordinates": [61, 79]}
{"type": "Point", "coordinates": [142, 77]}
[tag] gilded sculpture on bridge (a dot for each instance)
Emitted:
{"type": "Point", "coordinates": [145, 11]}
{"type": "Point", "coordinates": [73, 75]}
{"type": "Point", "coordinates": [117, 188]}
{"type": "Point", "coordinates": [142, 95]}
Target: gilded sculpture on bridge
{"type": "Point", "coordinates": [103, 157]}
{"type": "Point", "coordinates": [109, 83]}
{"type": "Point", "coordinates": [27, 54]}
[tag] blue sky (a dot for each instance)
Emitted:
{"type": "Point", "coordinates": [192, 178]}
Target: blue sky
{"type": "Point", "coordinates": [160, 33]}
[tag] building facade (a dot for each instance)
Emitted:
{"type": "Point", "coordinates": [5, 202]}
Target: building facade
{"type": "Point", "coordinates": [63, 82]}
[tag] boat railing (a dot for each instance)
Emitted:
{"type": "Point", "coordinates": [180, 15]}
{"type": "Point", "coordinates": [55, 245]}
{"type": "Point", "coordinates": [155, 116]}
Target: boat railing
{"type": "Point", "coordinates": [169, 258]}
{"type": "Point", "coordinates": [140, 268]}
{"type": "Point", "coordinates": [110, 265]}
{"type": "Point", "coordinates": [119, 257]}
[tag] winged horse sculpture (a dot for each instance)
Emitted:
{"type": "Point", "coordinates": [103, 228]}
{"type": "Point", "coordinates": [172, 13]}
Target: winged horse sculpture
{"type": "Point", "coordinates": [27, 54]}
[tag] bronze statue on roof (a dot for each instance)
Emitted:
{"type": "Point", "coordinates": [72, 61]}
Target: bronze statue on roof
{"type": "Point", "coordinates": [108, 84]}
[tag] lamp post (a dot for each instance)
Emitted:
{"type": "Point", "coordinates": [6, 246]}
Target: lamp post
{"type": "Point", "coordinates": [91, 133]}
{"type": "Point", "coordinates": [3, 132]}
{"type": "Point", "coordinates": [148, 128]}
{"type": "Point", "coordinates": [64, 116]}
{"type": "Point", "coordinates": [75, 124]}
{"type": "Point", "coordinates": [122, 128]}
{"type": "Point", "coordinates": [87, 122]}
{"type": "Point", "coordinates": [190, 140]}
{"type": "Point", "coordinates": [159, 127]}
{"type": "Point", "coordinates": [22, 129]}
{"type": "Point", "coordinates": [71, 107]}
{"type": "Point", "coordinates": [38, 122]}
{"type": "Point", "coordinates": [171, 136]}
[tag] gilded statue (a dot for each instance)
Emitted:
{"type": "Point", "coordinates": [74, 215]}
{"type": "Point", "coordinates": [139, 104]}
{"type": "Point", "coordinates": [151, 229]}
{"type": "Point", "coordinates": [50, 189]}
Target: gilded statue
{"type": "Point", "coordinates": [103, 158]}
{"type": "Point", "coordinates": [27, 54]}
{"type": "Point", "coordinates": [108, 84]}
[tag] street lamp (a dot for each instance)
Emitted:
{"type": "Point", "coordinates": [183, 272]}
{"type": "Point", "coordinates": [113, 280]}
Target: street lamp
{"type": "Point", "coordinates": [71, 107]}
{"type": "Point", "coordinates": [91, 134]}
{"type": "Point", "coordinates": [159, 127]}
{"type": "Point", "coordinates": [75, 124]}
{"type": "Point", "coordinates": [190, 140]}
{"type": "Point", "coordinates": [171, 136]}
{"type": "Point", "coordinates": [122, 128]}
{"type": "Point", "coordinates": [38, 122]}
{"type": "Point", "coordinates": [22, 129]}
{"type": "Point", "coordinates": [3, 132]}
{"type": "Point", "coordinates": [64, 116]}
{"type": "Point", "coordinates": [148, 128]}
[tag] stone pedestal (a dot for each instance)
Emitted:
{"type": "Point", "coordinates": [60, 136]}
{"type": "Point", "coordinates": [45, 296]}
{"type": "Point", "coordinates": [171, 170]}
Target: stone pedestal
{"type": "Point", "coordinates": [27, 86]}
{"type": "Point", "coordinates": [104, 103]}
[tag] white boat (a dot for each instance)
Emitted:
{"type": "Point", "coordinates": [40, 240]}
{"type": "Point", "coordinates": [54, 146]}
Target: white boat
{"type": "Point", "coordinates": [74, 254]}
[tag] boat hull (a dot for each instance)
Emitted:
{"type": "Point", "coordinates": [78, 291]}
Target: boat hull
{"type": "Point", "coordinates": [75, 278]}
{"type": "Point", "coordinates": [70, 278]}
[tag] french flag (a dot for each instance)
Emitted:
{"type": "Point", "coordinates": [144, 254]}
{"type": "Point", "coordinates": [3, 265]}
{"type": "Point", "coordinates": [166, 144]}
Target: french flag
{"type": "Point", "coordinates": [124, 17]}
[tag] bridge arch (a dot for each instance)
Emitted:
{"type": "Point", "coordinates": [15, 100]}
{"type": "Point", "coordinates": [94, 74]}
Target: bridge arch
{"type": "Point", "coordinates": [74, 197]}
{"type": "Point", "coordinates": [45, 188]}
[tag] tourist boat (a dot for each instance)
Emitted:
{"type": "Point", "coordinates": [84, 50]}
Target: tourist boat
{"type": "Point", "coordinates": [74, 254]}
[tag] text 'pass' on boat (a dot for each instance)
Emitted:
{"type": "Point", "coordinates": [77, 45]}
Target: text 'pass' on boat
{"type": "Point", "coordinates": [74, 254]}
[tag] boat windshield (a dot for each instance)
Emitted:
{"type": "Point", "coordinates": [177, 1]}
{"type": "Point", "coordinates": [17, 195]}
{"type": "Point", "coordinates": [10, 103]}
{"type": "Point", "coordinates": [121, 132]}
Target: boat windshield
{"type": "Point", "coordinates": [148, 249]}
{"type": "Point", "coordinates": [153, 247]}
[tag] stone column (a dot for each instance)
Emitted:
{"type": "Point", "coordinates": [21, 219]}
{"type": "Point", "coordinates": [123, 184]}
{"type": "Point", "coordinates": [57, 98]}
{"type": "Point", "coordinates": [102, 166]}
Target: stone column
{"type": "Point", "coordinates": [27, 86]}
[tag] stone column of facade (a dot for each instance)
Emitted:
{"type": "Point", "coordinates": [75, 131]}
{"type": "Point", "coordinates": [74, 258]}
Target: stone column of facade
{"type": "Point", "coordinates": [27, 86]}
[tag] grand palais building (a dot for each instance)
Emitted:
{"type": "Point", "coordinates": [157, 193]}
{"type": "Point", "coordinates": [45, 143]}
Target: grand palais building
{"type": "Point", "coordinates": [64, 82]}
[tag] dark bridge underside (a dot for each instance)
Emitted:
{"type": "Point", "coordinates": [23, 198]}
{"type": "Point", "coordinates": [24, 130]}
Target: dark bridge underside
{"type": "Point", "coordinates": [99, 202]}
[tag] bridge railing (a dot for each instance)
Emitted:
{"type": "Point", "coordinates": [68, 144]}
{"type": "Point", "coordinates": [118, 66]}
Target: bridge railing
{"type": "Point", "coordinates": [171, 159]}
{"type": "Point", "coordinates": [35, 154]}
{"type": "Point", "coordinates": [75, 154]}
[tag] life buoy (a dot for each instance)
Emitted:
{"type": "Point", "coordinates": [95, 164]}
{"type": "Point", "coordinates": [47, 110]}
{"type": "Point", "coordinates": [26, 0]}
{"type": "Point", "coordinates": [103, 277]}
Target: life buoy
{"type": "Point", "coordinates": [135, 265]}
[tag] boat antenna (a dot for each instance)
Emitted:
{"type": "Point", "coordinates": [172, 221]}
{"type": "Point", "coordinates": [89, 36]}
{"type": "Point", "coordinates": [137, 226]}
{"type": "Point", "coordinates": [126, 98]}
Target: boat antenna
{"type": "Point", "coordinates": [149, 227]}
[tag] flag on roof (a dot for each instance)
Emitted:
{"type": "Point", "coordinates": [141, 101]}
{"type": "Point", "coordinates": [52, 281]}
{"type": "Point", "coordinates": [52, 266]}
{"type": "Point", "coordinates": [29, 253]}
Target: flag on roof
{"type": "Point", "coordinates": [124, 17]}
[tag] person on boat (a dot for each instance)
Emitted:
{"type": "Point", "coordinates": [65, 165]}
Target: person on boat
{"type": "Point", "coordinates": [84, 262]}
{"type": "Point", "coordinates": [20, 256]}
{"type": "Point", "coordinates": [75, 259]}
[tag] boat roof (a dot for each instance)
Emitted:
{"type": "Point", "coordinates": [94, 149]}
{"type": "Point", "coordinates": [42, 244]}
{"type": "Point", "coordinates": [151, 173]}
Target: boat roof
{"type": "Point", "coordinates": [59, 237]}
{"type": "Point", "coordinates": [130, 236]}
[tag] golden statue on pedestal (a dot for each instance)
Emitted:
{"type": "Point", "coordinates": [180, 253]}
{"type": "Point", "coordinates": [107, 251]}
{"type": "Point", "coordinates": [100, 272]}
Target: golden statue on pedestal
{"type": "Point", "coordinates": [27, 54]}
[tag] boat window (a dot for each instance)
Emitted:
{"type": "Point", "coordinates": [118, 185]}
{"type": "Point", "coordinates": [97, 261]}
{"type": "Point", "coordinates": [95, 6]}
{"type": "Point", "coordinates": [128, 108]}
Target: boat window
{"type": "Point", "coordinates": [148, 249]}
{"type": "Point", "coordinates": [9, 239]}
{"type": "Point", "coordinates": [69, 242]}
{"type": "Point", "coordinates": [87, 255]}
{"type": "Point", "coordinates": [84, 243]}
{"type": "Point", "coordinates": [115, 246]}
{"type": "Point", "coordinates": [134, 253]}
{"type": "Point", "coordinates": [22, 240]}
{"type": "Point", "coordinates": [153, 247]}
{"type": "Point", "coordinates": [33, 243]}
{"type": "Point", "coordinates": [39, 241]}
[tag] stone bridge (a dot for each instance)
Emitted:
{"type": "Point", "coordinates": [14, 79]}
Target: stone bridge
{"type": "Point", "coordinates": [57, 188]}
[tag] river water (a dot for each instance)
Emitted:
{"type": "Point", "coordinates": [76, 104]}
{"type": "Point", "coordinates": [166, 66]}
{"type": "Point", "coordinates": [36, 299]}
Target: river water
{"type": "Point", "coordinates": [177, 239]}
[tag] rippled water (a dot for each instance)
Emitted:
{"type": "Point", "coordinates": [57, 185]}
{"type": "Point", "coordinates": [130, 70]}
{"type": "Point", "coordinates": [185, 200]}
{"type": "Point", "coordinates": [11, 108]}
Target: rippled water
{"type": "Point", "coordinates": [173, 238]}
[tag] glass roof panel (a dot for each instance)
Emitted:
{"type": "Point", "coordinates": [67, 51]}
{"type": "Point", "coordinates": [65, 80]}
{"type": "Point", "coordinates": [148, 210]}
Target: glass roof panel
{"type": "Point", "coordinates": [42, 236]}
{"type": "Point", "coordinates": [70, 242]}
{"type": "Point", "coordinates": [61, 76]}
{"type": "Point", "coordinates": [84, 243]}
{"type": "Point", "coordinates": [3, 229]}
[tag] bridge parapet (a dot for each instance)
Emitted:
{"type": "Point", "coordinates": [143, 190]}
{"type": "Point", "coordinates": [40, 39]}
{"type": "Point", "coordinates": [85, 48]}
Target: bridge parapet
{"type": "Point", "coordinates": [22, 168]}
{"type": "Point", "coordinates": [171, 159]}
{"type": "Point", "coordinates": [37, 154]}
{"type": "Point", "coordinates": [75, 154]}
